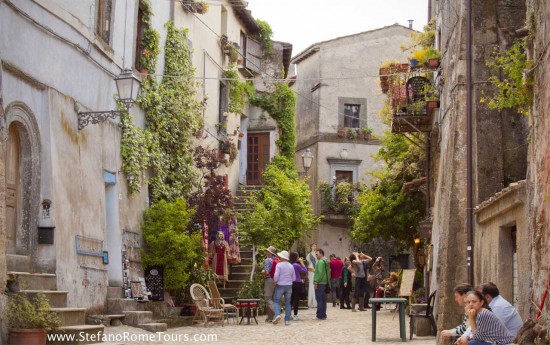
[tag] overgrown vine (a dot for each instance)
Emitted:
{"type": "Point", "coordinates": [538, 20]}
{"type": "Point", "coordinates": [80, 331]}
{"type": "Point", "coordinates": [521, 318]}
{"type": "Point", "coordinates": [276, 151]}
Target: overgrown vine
{"type": "Point", "coordinates": [264, 36]}
{"type": "Point", "coordinates": [280, 104]}
{"type": "Point", "coordinates": [238, 91]}
{"type": "Point", "coordinates": [173, 115]}
{"type": "Point", "coordinates": [513, 85]}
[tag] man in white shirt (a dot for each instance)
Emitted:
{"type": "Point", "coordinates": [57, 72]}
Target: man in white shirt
{"type": "Point", "coordinates": [501, 307]}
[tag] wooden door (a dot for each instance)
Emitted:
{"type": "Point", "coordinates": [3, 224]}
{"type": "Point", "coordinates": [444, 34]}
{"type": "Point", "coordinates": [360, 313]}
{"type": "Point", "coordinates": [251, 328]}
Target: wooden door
{"type": "Point", "coordinates": [13, 185]}
{"type": "Point", "coordinates": [257, 157]}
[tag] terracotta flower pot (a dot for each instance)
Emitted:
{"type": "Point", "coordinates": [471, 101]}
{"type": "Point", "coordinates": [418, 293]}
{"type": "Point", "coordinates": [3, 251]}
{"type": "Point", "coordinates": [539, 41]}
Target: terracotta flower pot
{"type": "Point", "coordinates": [32, 336]}
{"type": "Point", "coordinates": [341, 133]}
{"type": "Point", "coordinates": [433, 62]}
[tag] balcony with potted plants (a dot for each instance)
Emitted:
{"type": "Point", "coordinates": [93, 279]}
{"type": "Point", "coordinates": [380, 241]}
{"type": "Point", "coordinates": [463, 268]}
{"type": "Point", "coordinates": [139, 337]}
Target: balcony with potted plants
{"type": "Point", "coordinates": [338, 204]}
{"type": "Point", "coordinates": [411, 92]}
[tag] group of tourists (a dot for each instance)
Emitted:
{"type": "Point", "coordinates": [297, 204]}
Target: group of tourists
{"type": "Point", "coordinates": [488, 317]}
{"type": "Point", "coordinates": [284, 275]}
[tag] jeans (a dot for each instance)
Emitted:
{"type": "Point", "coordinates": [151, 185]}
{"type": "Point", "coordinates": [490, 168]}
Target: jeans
{"type": "Point", "coordinates": [281, 290]}
{"type": "Point", "coordinates": [335, 285]}
{"type": "Point", "coordinates": [321, 298]}
{"type": "Point", "coordinates": [478, 342]}
{"type": "Point", "coordinates": [360, 287]}
{"type": "Point", "coordinates": [269, 286]}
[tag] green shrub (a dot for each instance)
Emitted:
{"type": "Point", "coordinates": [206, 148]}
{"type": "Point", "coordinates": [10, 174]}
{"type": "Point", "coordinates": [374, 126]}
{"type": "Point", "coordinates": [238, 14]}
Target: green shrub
{"type": "Point", "coordinates": [22, 313]}
{"type": "Point", "coordinates": [168, 244]}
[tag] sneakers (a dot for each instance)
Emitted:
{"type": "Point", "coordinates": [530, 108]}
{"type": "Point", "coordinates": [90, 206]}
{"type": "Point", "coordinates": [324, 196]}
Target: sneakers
{"type": "Point", "coordinates": [295, 318]}
{"type": "Point", "coordinates": [277, 319]}
{"type": "Point", "coordinates": [287, 323]}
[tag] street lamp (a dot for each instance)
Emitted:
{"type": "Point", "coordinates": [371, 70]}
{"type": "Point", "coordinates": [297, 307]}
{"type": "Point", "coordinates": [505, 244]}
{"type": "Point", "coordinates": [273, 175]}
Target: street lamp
{"type": "Point", "coordinates": [307, 159]}
{"type": "Point", "coordinates": [127, 85]}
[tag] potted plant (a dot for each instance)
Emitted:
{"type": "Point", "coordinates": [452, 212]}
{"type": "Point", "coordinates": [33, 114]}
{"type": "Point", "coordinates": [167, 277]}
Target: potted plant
{"type": "Point", "coordinates": [352, 133]}
{"type": "Point", "coordinates": [431, 58]}
{"type": "Point", "coordinates": [341, 132]}
{"type": "Point", "coordinates": [367, 131]}
{"type": "Point", "coordinates": [29, 321]}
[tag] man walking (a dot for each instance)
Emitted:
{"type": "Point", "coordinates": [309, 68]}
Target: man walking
{"type": "Point", "coordinates": [321, 279]}
{"type": "Point", "coordinates": [269, 285]}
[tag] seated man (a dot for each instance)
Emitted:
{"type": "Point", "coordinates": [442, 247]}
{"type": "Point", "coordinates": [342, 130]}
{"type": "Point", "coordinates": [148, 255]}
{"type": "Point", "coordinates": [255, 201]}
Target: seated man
{"type": "Point", "coordinates": [501, 307]}
{"type": "Point", "coordinates": [462, 331]}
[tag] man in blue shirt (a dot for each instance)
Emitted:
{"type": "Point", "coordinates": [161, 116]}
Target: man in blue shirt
{"type": "Point", "coordinates": [501, 307]}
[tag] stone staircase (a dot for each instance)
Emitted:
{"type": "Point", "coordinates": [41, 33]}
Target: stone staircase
{"type": "Point", "coordinates": [239, 273]}
{"type": "Point", "coordinates": [73, 320]}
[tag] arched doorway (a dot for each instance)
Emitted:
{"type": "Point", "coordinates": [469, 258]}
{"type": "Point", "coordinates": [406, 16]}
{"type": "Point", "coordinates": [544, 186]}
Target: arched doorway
{"type": "Point", "coordinates": [22, 162]}
{"type": "Point", "coordinates": [13, 189]}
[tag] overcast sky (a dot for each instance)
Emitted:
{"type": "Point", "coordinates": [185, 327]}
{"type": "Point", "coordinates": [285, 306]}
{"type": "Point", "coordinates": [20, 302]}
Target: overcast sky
{"type": "Point", "coordinates": [304, 22]}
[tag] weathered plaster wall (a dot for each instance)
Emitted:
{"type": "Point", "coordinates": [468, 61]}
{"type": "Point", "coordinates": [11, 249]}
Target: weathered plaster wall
{"type": "Point", "coordinates": [494, 244]}
{"type": "Point", "coordinates": [538, 178]}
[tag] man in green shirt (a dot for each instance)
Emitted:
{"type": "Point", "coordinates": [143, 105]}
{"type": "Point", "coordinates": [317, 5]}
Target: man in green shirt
{"type": "Point", "coordinates": [321, 279]}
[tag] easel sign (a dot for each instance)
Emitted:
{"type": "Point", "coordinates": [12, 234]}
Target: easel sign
{"type": "Point", "coordinates": [407, 282]}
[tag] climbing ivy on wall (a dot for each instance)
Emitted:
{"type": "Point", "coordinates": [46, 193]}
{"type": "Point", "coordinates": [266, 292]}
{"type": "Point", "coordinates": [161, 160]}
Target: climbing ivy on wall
{"type": "Point", "coordinates": [280, 104]}
{"type": "Point", "coordinates": [173, 115]}
{"type": "Point", "coordinates": [238, 90]}
{"type": "Point", "coordinates": [150, 43]}
{"type": "Point", "coordinates": [514, 86]}
{"type": "Point", "coordinates": [264, 36]}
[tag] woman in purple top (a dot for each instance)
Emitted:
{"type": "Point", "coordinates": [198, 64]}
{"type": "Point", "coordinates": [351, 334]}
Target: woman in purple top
{"type": "Point", "coordinates": [298, 284]}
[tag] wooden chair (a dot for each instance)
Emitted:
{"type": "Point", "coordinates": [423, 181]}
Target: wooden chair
{"type": "Point", "coordinates": [427, 314]}
{"type": "Point", "coordinates": [229, 309]}
{"type": "Point", "coordinates": [208, 309]}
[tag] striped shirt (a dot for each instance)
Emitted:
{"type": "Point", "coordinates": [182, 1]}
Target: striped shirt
{"type": "Point", "coordinates": [460, 329]}
{"type": "Point", "coordinates": [490, 329]}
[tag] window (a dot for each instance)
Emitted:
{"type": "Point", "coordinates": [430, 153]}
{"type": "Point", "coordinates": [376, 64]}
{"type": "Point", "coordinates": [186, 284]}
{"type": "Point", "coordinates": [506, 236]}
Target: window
{"type": "Point", "coordinates": [104, 12]}
{"type": "Point", "coordinates": [352, 112]}
{"type": "Point", "coordinates": [140, 32]}
{"type": "Point", "coordinates": [351, 115]}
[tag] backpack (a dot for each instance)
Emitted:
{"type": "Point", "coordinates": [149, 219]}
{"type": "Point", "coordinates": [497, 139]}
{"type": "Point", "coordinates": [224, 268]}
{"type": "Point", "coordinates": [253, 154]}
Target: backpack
{"type": "Point", "coordinates": [272, 272]}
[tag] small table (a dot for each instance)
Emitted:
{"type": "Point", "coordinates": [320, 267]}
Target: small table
{"type": "Point", "coordinates": [251, 305]}
{"type": "Point", "coordinates": [401, 303]}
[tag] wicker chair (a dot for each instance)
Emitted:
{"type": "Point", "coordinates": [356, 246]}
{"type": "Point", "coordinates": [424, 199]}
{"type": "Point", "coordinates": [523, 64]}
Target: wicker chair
{"type": "Point", "coordinates": [208, 309]}
{"type": "Point", "coordinates": [229, 309]}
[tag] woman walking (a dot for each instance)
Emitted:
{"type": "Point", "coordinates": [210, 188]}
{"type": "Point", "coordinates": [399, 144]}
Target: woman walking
{"type": "Point", "coordinates": [284, 276]}
{"type": "Point", "coordinates": [297, 284]}
{"type": "Point", "coordinates": [346, 284]}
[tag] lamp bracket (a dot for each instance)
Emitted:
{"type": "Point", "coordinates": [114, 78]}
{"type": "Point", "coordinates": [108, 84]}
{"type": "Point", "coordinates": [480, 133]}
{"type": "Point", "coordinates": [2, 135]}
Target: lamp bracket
{"type": "Point", "coordinates": [93, 117]}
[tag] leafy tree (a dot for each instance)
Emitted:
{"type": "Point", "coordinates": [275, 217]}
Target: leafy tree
{"type": "Point", "coordinates": [211, 200]}
{"type": "Point", "coordinates": [280, 213]}
{"type": "Point", "coordinates": [168, 244]}
{"type": "Point", "coordinates": [385, 211]}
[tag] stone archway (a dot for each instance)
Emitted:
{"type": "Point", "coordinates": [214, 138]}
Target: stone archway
{"type": "Point", "coordinates": [22, 163]}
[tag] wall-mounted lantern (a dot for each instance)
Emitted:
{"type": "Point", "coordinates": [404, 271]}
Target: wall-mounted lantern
{"type": "Point", "coordinates": [128, 86]}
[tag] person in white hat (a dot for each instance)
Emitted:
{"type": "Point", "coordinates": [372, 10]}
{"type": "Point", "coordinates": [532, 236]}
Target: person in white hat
{"type": "Point", "coordinates": [284, 276]}
{"type": "Point", "coordinates": [270, 264]}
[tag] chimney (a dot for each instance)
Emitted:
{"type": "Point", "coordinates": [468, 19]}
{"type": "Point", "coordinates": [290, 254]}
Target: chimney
{"type": "Point", "coordinates": [411, 23]}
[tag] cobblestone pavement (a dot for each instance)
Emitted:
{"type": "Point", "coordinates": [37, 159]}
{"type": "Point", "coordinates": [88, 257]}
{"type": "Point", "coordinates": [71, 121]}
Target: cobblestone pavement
{"type": "Point", "coordinates": [341, 327]}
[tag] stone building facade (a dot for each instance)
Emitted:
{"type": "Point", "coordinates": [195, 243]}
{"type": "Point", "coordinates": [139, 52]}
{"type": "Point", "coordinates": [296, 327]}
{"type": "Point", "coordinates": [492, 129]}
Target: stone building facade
{"type": "Point", "coordinates": [499, 157]}
{"type": "Point", "coordinates": [333, 77]}
{"type": "Point", "coordinates": [538, 175]}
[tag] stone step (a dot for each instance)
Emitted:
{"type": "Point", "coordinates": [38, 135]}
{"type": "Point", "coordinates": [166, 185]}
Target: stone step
{"type": "Point", "coordinates": [118, 305]}
{"type": "Point", "coordinates": [154, 327]}
{"type": "Point", "coordinates": [115, 292]}
{"type": "Point", "coordinates": [80, 334]}
{"type": "Point", "coordinates": [35, 281]}
{"type": "Point", "coordinates": [177, 321]}
{"type": "Point", "coordinates": [71, 316]}
{"type": "Point", "coordinates": [18, 263]}
{"type": "Point", "coordinates": [240, 268]}
{"type": "Point", "coordinates": [58, 299]}
{"type": "Point", "coordinates": [106, 320]}
{"type": "Point", "coordinates": [135, 318]}
{"type": "Point", "coordinates": [240, 276]}
{"type": "Point", "coordinates": [232, 284]}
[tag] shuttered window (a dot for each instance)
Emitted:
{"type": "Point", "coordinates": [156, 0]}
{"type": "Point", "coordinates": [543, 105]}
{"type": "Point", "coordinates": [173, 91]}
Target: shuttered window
{"type": "Point", "coordinates": [253, 55]}
{"type": "Point", "coordinates": [104, 19]}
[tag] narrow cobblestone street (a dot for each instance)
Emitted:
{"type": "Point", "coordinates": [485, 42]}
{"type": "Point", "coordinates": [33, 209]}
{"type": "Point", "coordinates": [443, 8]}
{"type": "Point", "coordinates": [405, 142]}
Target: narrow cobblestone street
{"type": "Point", "coordinates": [341, 327]}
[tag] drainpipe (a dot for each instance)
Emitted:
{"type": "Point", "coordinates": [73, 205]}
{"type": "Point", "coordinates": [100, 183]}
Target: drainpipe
{"type": "Point", "coordinates": [469, 174]}
{"type": "Point", "coordinates": [429, 10]}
